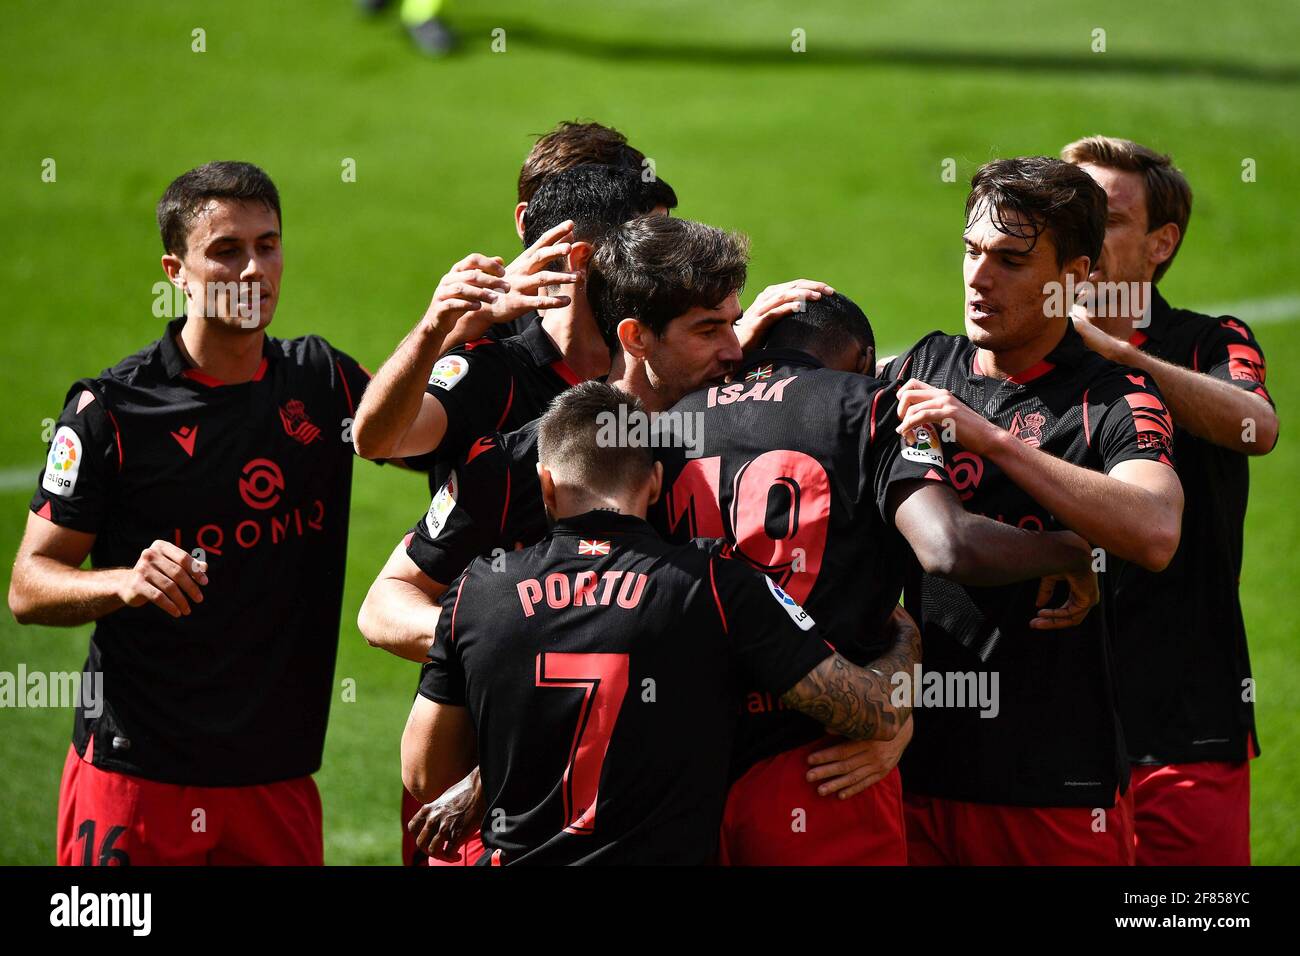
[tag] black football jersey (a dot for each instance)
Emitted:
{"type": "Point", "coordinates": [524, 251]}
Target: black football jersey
{"type": "Point", "coordinates": [492, 385]}
{"type": "Point", "coordinates": [793, 467]}
{"type": "Point", "coordinates": [255, 478]}
{"type": "Point", "coordinates": [489, 503]}
{"type": "Point", "coordinates": [601, 668]}
{"type": "Point", "coordinates": [1185, 693]}
{"type": "Point", "coordinates": [1053, 736]}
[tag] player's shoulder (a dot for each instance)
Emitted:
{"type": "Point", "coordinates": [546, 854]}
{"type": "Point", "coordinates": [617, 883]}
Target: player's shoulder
{"type": "Point", "coordinates": [930, 352]}
{"type": "Point", "coordinates": [307, 351]}
{"type": "Point", "coordinates": [1109, 382]}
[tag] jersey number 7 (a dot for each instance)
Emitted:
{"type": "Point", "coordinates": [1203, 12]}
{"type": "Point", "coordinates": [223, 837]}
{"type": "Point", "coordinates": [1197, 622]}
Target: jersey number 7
{"type": "Point", "coordinates": [603, 680]}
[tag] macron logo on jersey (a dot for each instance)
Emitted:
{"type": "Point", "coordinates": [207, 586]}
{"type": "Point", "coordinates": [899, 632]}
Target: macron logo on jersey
{"type": "Point", "coordinates": [63, 463]}
{"type": "Point", "coordinates": [791, 606]}
{"type": "Point", "coordinates": [185, 437]}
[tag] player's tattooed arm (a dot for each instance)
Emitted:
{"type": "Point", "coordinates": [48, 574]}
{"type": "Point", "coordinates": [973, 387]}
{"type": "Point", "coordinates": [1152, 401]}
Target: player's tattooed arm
{"type": "Point", "coordinates": [856, 701]}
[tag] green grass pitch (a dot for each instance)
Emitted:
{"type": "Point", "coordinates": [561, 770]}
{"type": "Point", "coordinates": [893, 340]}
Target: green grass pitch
{"type": "Point", "coordinates": [831, 160]}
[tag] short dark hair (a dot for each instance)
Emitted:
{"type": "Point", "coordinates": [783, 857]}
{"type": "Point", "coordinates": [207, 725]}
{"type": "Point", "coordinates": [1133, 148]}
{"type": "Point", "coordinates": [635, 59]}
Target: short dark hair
{"type": "Point", "coordinates": [568, 439]}
{"type": "Point", "coordinates": [190, 192]}
{"type": "Point", "coordinates": [571, 144]}
{"type": "Point", "coordinates": [656, 268]}
{"type": "Point", "coordinates": [825, 327]}
{"type": "Point", "coordinates": [1169, 195]}
{"type": "Point", "coordinates": [1045, 195]}
{"type": "Point", "coordinates": [596, 198]}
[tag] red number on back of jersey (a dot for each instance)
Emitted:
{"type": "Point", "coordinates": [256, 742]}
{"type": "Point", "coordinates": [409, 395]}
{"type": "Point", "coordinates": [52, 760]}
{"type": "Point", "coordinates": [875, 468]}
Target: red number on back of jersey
{"type": "Point", "coordinates": [603, 680]}
{"type": "Point", "coordinates": [789, 485]}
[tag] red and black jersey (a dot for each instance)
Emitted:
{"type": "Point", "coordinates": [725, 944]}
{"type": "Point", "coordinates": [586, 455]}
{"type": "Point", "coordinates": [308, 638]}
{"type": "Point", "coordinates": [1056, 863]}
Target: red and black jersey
{"type": "Point", "coordinates": [1055, 738]}
{"type": "Point", "coordinates": [601, 668]}
{"type": "Point", "coordinates": [793, 468]}
{"type": "Point", "coordinates": [258, 475]}
{"type": "Point", "coordinates": [1181, 634]}
{"type": "Point", "coordinates": [491, 500]}
{"type": "Point", "coordinates": [491, 385]}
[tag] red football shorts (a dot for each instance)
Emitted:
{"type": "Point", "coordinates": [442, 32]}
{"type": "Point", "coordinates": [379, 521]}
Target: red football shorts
{"type": "Point", "coordinates": [1192, 814]}
{"type": "Point", "coordinates": [108, 818]}
{"type": "Point", "coordinates": [955, 833]}
{"type": "Point", "coordinates": [775, 817]}
{"type": "Point", "coordinates": [412, 855]}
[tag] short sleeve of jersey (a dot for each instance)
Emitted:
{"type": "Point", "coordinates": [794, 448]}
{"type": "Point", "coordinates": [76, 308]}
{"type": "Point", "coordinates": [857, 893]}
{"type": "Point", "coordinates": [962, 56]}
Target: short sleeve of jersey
{"type": "Point", "coordinates": [352, 381]}
{"type": "Point", "coordinates": [443, 678]}
{"type": "Point", "coordinates": [81, 463]}
{"type": "Point", "coordinates": [476, 388]}
{"type": "Point", "coordinates": [1231, 353]}
{"type": "Point", "coordinates": [889, 458]}
{"type": "Point", "coordinates": [772, 640]}
{"type": "Point", "coordinates": [464, 518]}
{"type": "Point", "coordinates": [1125, 419]}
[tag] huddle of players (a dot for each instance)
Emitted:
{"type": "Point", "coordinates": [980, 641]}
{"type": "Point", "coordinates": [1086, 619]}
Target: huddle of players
{"type": "Point", "coordinates": [593, 616]}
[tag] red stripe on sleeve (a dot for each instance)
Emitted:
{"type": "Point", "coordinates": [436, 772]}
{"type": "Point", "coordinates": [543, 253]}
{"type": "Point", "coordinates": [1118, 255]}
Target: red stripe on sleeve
{"type": "Point", "coordinates": [455, 607]}
{"type": "Point", "coordinates": [346, 391]}
{"type": "Point", "coordinates": [713, 581]}
{"type": "Point", "coordinates": [1087, 429]}
{"type": "Point", "coordinates": [509, 402]}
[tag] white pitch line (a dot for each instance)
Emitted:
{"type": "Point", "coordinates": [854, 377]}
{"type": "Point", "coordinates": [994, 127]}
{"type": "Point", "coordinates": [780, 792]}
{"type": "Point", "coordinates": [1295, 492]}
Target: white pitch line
{"type": "Point", "coordinates": [14, 479]}
{"type": "Point", "coordinates": [1265, 311]}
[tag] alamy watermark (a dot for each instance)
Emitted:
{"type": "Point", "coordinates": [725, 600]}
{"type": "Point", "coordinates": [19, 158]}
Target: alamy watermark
{"type": "Point", "coordinates": [638, 429]}
{"type": "Point", "coordinates": [55, 689]}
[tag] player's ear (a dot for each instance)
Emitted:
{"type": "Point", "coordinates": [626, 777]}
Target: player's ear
{"type": "Point", "coordinates": [1162, 242]}
{"type": "Point", "coordinates": [174, 268]}
{"type": "Point", "coordinates": [868, 366]}
{"type": "Point", "coordinates": [579, 257]}
{"type": "Point", "coordinates": [519, 219]}
{"type": "Point", "coordinates": [548, 487]}
{"type": "Point", "coordinates": [1080, 267]}
{"type": "Point", "coordinates": [632, 335]}
{"type": "Point", "coordinates": [656, 482]}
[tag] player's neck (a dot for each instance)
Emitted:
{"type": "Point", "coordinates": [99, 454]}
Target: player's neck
{"type": "Point", "coordinates": [224, 354]}
{"type": "Point", "coordinates": [1009, 362]}
{"type": "Point", "coordinates": [573, 330]}
{"type": "Point", "coordinates": [633, 378]}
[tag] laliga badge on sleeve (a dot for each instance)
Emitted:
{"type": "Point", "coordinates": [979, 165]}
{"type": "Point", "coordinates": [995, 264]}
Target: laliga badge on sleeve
{"type": "Point", "coordinates": [922, 446]}
{"type": "Point", "coordinates": [63, 463]}
{"type": "Point", "coordinates": [449, 370]}
{"type": "Point", "coordinates": [791, 606]}
{"type": "Point", "coordinates": [442, 505]}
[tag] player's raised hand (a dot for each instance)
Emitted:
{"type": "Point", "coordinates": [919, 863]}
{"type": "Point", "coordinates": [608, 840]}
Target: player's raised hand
{"type": "Point", "coordinates": [1082, 598]}
{"type": "Point", "coordinates": [166, 576]}
{"type": "Point", "coordinates": [849, 768]}
{"type": "Point", "coordinates": [473, 282]}
{"type": "Point", "coordinates": [773, 303]}
{"type": "Point", "coordinates": [923, 404]}
{"type": "Point", "coordinates": [441, 828]}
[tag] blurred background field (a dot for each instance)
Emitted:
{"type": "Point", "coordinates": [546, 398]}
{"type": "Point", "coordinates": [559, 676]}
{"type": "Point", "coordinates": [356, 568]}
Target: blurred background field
{"type": "Point", "coordinates": [830, 159]}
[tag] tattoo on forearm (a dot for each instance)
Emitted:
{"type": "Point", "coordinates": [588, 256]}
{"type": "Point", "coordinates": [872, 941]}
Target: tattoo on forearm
{"type": "Point", "coordinates": [855, 701]}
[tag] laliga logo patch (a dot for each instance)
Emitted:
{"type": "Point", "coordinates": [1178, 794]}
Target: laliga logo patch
{"type": "Point", "coordinates": [923, 447]}
{"type": "Point", "coordinates": [448, 371]}
{"type": "Point", "coordinates": [791, 606]}
{"type": "Point", "coordinates": [442, 505]}
{"type": "Point", "coordinates": [63, 463]}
